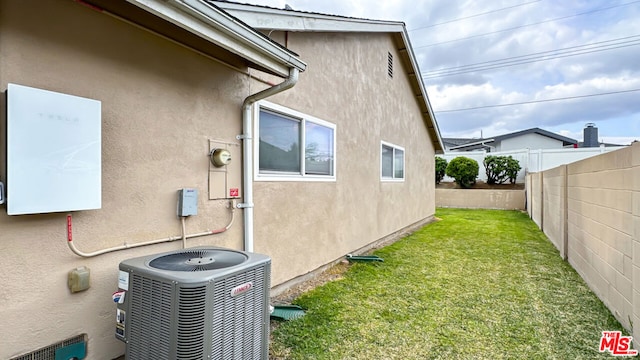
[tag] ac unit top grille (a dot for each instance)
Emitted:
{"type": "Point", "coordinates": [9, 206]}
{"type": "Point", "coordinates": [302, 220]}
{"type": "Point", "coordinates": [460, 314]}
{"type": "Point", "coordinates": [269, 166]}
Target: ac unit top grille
{"type": "Point", "coordinates": [198, 260]}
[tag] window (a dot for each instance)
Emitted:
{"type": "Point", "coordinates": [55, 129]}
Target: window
{"type": "Point", "coordinates": [281, 132]}
{"type": "Point", "coordinates": [391, 162]}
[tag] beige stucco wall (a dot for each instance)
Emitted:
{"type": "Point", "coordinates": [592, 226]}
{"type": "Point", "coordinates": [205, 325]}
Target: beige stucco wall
{"type": "Point", "coordinates": [602, 199]}
{"type": "Point", "coordinates": [162, 104]}
{"type": "Point", "coordinates": [312, 223]}
{"type": "Point", "coordinates": [481, 199]}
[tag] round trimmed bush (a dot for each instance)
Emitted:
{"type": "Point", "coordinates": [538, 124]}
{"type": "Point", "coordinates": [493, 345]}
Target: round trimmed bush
{"type": "Point", "coordinates": [499, 169]}
{"type": "Point", "coordinates": [464, 170]}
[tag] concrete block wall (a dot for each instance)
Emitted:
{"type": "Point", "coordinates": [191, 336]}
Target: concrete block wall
{"type": "Point", "coordinates": [591, 212]}
{"type": "Point", "coordinates": [481, 199]}
{"type": "Point", "coordinates": [555, 210]}
{"type": "Point", "coordinates": [534, 192]}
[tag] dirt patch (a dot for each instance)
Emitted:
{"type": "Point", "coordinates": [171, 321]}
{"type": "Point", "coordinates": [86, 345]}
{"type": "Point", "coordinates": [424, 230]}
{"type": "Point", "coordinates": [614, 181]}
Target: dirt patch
{"type": "Point", "coordinates": [482, 185]}
{"type": "Point", "coordinates": [331, 274]}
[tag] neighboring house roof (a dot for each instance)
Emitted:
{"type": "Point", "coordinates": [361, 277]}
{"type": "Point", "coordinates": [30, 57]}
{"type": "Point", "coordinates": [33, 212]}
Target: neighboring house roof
{"type": "Point", "coordinates": [565, 140]}
{"type": "Point", "coordinates": [198, 24]}
{"type": "Point", "coordinates": [450, 142]}
{"type": "Point", "coordinates": [267, 18]}
{"type": "Point", "coordinates": [472, 144]}
{"type": "Point", "coordinates": [475, 144]}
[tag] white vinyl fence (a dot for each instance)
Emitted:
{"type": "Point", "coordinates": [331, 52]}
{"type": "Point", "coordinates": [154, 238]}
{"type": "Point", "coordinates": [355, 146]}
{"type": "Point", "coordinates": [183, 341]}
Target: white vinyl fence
{"type": "Point", "coordinates": [530, 160]}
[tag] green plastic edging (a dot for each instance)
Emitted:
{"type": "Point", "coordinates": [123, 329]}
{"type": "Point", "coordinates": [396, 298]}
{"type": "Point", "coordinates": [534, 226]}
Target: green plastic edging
{"type": "Point", "coordinates": [364, 258]}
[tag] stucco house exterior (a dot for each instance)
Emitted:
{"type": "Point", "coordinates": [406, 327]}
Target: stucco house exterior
{"type": "Point", "coordinates": [306, 137]}
{"type": "Point", "coordinates": [534, 138]}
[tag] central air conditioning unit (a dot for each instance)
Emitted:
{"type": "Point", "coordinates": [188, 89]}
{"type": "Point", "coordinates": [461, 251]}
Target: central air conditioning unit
{"type": "Point", "coordinates": [197, 303]}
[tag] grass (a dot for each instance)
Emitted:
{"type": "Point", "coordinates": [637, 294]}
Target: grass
{"type": "Point", "coordinates": [479, 284]}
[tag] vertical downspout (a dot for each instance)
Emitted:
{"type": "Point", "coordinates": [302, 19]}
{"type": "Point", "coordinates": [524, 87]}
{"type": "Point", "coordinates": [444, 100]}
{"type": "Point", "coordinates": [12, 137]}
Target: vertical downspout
{"type": "Point", "coordinates": [247, 151]}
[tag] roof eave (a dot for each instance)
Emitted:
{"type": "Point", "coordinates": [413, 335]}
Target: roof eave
{"type": "Point", "coordinates": [264, 18]}
{"type": "Point", "coordinates": [421, 95]}
{"type": "Point", "coordinates": [197, 17]}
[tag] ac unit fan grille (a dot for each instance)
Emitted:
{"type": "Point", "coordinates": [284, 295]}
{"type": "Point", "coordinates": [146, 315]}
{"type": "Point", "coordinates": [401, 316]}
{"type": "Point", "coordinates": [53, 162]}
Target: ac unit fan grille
{"type": "Point", "coordinates": [198, 260]}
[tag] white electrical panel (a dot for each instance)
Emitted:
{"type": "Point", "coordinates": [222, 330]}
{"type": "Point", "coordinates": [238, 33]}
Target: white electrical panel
{"type": "Point", "coordinates": [187, 202]}
{"type": "Point", "coordinates": [53, 152]}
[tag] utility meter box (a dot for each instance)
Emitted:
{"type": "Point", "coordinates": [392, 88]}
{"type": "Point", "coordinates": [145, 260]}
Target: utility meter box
{"type": "Point", "coordinates": [224, 173]}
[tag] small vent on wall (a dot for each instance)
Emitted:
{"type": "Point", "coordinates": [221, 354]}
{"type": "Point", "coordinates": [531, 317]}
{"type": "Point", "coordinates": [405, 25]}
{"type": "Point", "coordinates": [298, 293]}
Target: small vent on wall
{"type": "Point", "coordinates": [49, 352]}
{"type": "Point", "coordinates": [390, 65]}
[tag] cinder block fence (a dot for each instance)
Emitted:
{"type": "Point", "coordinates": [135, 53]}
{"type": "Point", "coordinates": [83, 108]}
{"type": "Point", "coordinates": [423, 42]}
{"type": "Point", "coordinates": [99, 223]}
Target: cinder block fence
{"type": "Point", "coordinates": [590, 210]}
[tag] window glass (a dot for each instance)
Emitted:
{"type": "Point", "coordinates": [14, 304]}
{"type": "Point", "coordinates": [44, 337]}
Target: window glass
{"type": "Point", "coordinates": [279, 143]}
{"type": "Point", "coordinates": [293, 146]}
{"type": "Point", "coordinates": [387, 161]}
{"type": "Point", "coordinates": [398, 164]}
{"type": "Point", "coordinates": [391, 162]}
{"type": "Point", "coordinates": [318, 149]}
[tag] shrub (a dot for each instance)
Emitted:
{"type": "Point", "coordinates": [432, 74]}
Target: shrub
{"type": "Point", "coordinates": [513, 167]}
{"type": "Point", "coordinates": [441, 167]}
{"type": "Point", "coordinates": [501, 168]}
{"type": "Point", "coordinates": [464, 170]}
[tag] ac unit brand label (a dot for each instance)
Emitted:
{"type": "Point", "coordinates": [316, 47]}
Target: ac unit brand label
{"type": "Point", "coordinates": [241, 289]}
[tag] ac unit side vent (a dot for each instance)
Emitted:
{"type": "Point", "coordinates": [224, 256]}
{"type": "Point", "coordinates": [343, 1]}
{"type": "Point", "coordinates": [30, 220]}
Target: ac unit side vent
{"type": "Point", "coordinates": [191, 322]}
{"type": "Point", "coordinates": [151, 301]}
{"type": "Point", "coordinates": [246, 313]}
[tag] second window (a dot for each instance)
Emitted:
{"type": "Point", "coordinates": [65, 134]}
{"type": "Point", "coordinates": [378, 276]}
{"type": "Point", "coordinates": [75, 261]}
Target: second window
{"type": "Point", "coordinates": [294, 145]}
{"type": "Point", "coordinates": [391, 162]}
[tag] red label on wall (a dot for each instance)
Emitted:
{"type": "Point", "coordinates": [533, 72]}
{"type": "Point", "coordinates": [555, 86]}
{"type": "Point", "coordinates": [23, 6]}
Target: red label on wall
{"type": "Point", "coordinates": [234, 192]}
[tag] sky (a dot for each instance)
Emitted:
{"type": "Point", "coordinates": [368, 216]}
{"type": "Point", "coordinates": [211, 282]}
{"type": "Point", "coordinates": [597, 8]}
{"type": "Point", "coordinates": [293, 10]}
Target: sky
{"type": "Point", "coordinates": [492, 67]}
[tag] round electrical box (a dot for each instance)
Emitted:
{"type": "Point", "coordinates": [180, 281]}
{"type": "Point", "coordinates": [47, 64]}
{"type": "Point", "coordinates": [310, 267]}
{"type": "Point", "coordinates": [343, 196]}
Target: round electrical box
{"type": "Point", "coordinates": [220, 157]}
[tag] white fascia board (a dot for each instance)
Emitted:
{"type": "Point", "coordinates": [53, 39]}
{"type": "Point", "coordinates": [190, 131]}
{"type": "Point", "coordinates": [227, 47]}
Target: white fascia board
{"type": "Point", "coordinates": [286, 20]}
{"type": "Point", "coordinates": [221, 29]}
{"type": "Point", "coordinates": [423, 90]}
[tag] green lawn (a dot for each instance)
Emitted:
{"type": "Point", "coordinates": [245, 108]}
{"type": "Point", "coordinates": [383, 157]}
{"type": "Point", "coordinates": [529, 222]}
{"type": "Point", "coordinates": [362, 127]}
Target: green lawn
{"type": "Point", "coordinates": [479, 284]}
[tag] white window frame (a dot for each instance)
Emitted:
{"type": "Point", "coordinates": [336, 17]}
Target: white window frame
{"type": "Point", "coordinates": [393, 169]}
{"type": "Point", "coordinates": [303, 118]}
